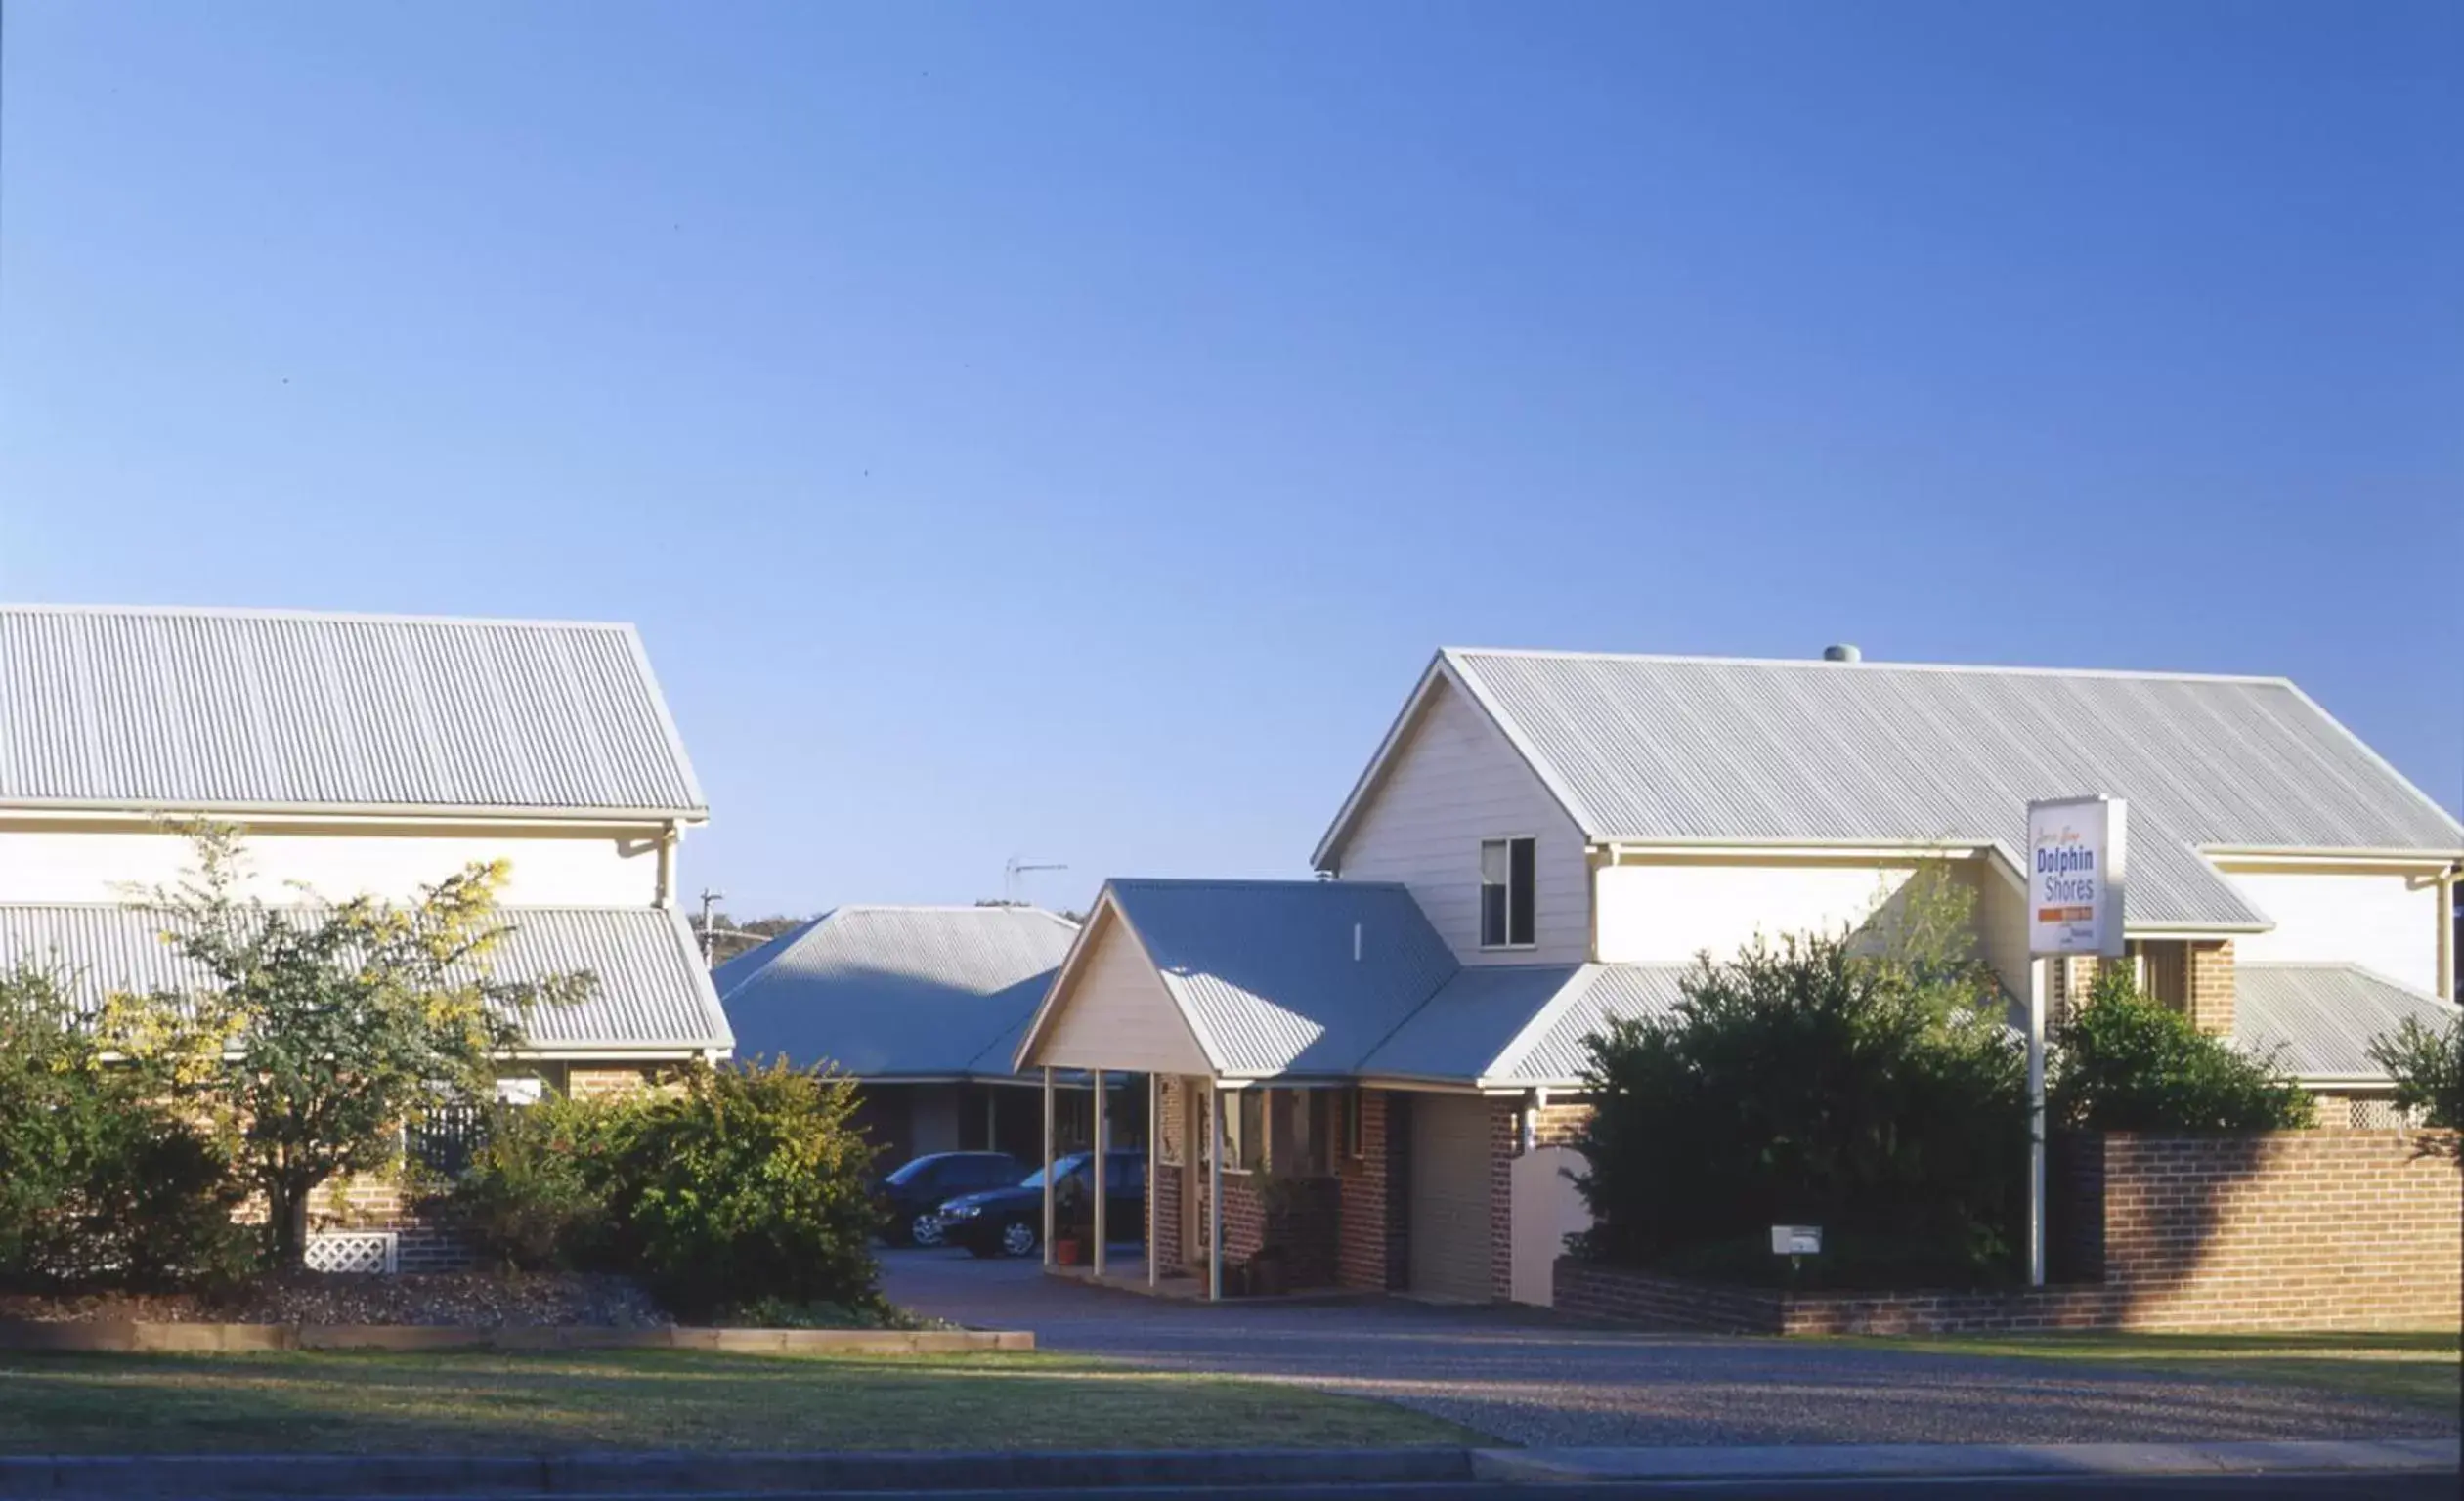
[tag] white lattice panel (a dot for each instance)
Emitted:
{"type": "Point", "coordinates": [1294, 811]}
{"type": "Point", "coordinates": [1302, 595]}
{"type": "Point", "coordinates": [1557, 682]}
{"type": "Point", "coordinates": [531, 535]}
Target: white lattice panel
{"type": "Point", "coordinates": [353, 1251]}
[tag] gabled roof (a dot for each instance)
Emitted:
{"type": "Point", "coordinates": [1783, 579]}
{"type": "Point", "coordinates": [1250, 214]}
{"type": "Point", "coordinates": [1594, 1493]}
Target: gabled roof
{"type": "Point", "coordinates": [251, 711]}
{"type": "Point", "coordinates": [896, 992]}
{"type": "Point", "coordinates": [2320, 1019]}
{"type": "Point", "coordinates": [1674, 751]}
{"type": "Point", "coordinates": [1278, 977]}
{"type": "Point", "coordinates": [652, 995]}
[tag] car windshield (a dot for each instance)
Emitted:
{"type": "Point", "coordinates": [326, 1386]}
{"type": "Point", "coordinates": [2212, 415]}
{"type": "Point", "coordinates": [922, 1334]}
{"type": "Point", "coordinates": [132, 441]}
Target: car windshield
{"type": "Point", "coordinates": [1072, 1166]}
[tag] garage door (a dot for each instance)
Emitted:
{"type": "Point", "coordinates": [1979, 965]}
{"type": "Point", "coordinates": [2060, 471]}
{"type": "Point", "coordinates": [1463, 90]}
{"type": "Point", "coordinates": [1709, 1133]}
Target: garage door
{"type": "Point", "coordinates": [1449, 1196]}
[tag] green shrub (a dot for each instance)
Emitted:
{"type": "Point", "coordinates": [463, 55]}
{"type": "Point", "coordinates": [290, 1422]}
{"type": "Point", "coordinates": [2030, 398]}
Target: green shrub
{"type": "Point", "coordinates": [748, 1183]}
{"type": "Point", "coordinates": [100, 1184]}
{"type": "Point", "coordinates": [2126, 1063]}
{"type": "Point", "coordinates": [537, 1195]}
{"type": "Point", "coordinates": [1805, 1084]}
{"type": "Point", "coordinates": [2426, 1064]}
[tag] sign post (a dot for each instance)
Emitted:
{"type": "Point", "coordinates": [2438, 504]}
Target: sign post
{"type": "Point", "coordinates": [2078, 853]}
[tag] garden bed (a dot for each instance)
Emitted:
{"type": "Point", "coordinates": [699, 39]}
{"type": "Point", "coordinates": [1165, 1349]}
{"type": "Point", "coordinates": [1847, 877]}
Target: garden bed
{"type": "Point", "coordinates": [458, 1300]}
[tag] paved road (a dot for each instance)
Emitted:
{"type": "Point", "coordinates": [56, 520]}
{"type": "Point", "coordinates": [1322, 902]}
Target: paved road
{"type": "Point", "coordinates": [1521, 1375]}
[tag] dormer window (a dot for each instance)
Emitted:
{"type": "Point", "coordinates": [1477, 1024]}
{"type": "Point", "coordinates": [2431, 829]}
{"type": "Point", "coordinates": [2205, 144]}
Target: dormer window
{"type": "Point", "coordinates": [1505, 892]}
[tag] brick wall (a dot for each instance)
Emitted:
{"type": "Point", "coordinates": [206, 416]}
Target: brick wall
{"type": "Point", "coordinates": [2211, 987]}
{"type": "Point", "coordinates": [589, 1083]}
{"type": "Point", "coordinates": [2319, 1229]}
{"type": "Point", "coordinates": [422, 1241]}
{"type": "Point", "coordinates": [1373, 1247]}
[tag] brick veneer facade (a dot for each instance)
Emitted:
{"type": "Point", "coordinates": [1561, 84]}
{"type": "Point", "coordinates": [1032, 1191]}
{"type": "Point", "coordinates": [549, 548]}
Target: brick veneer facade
{"type": "Point", "coordinates": [2317, 1230]}
{"type": "Point", "coordinates": [1374, 1244]}
{"type": "Point", "coordinates": [2209, 987]}
{"type": "Point", "coordinates": [423, 1241]}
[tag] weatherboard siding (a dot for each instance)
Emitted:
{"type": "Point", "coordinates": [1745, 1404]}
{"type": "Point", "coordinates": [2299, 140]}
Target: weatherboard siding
{"type": "Point", "coordinates": [2378, 921]}
{"type": "Point", "coordinates": [1454, 782]}
{"type": "Point", "coordinates": [1116, 1013]}
{"type": "Point", "coordinates": [51, 865]}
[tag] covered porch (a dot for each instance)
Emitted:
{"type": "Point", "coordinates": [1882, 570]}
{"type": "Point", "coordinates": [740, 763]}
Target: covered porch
{"type": "Point", "coordinates": [1242, 1005]}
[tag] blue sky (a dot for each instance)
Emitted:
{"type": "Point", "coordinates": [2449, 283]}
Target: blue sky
{"type": "Point", "coordinates": [1067, 431]}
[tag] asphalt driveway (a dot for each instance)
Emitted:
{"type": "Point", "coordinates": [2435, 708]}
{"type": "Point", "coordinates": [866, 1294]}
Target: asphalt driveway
{"type": "Point", "coordinates": [1524, 1377]}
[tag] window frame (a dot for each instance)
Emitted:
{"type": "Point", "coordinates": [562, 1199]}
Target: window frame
{"type": "Point", "coordinates": [1506, 903]}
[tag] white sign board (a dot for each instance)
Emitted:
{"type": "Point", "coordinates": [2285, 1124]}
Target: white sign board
{"type": "Point", "coordinates": [2078, 849]}
{"type": "Point", "coordinates": [1797, 1240]}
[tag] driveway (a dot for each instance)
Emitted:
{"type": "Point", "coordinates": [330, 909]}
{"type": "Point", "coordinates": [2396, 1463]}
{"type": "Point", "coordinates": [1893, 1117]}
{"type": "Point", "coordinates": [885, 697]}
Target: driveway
{"type": "Point", "coordinates": [1524, 1377]}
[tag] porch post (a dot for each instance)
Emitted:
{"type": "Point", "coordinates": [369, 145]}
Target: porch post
{"type": "Point", "coordinates": [1155, 1129]}
{"type": "Point", "coordinates": [1048, 1168]}
{"type": "Point", "coordinates": [1214, 1193]}
{"type": "Point", "coordinates": [1098, 1175]}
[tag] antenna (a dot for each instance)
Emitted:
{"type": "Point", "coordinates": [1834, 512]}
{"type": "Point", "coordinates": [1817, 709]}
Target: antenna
{"type": "Point", "coordinates": [1016, 867]}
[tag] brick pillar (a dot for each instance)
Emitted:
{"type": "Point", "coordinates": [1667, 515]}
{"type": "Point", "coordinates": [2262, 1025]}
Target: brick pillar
{"type": "Point", "coordinates": [2211, 986]}
{"type": "Point", "coordinates": [1505, 1144]}
{"type": "Point", "coordinates": [2067, 983]}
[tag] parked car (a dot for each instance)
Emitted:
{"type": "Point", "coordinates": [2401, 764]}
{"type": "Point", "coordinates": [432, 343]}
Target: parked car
{"type": "Point", "coordinates": [911, 1194]}
{"type": "Point", "coordinates": [1010, 1222]}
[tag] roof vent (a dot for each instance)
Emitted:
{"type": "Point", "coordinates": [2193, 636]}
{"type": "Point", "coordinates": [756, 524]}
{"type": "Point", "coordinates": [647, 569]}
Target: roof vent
{"type": "Point", "coordinates": [1842, 652]}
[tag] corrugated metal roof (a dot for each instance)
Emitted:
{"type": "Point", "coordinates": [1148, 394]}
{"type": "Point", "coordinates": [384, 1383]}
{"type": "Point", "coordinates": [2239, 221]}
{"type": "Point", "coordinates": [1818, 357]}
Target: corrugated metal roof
{"type": "Point", "coordinates": [1473, 1019]}
{"type": "Point", "coordinates": [1553, 1052]}
{"type": "Point", "coordinates": [890, 992]}
{"type": "Point", "coordinates": [248, 710]}
{"type": "Point", "coordinates": [1648, 748]}
{"type": "Point", "coordinates": [652, 995]}
{"type": "Point", "coordinates": [2320, 1019]}
{"type": "Point", "coordinates": [1266, 968]}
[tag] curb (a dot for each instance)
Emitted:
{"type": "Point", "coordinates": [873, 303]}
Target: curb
{"type": "Point", "coordinates": [120, 1336]}
{"type": "Point", "coordinates": [1948, 1461]}
{"type": "Point", "coordinates": [261, 1477]}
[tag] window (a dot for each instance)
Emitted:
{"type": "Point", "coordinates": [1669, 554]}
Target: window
{"type": "Point", "coordinates": [1304, 1130]}
{"type": "Point", "coordinates": [1249, 1130]}
{"type": "Point", "coordinates": [1506, 909]}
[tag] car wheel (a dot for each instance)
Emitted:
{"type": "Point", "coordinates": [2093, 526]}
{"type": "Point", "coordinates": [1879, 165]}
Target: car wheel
{"type": "Point", "coordinates": [925, 1230]}
{"type": "Point", "coordinates": [1019, 1238]}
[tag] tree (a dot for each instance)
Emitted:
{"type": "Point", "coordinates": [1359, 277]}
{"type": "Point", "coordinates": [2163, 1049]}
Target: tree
{"type": "Point", "coordinates": [318, 1032]}
{"type": "Point", "coordinates": [2426, 1064]}
{"type": "Point", "coordinates": [2127, 1062]}
{"type": "Point", "coordinates": [1810, 1084]}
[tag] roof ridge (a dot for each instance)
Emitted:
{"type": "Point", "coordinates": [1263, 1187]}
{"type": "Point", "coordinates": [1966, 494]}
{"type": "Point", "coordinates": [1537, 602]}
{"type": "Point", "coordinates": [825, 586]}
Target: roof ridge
{"type": "Point", "coordinates": [295, 613]}
{"type": "Point", "coordinates": [1237, 880]}
{"type": "Point", "coordinates": [1867, 664]}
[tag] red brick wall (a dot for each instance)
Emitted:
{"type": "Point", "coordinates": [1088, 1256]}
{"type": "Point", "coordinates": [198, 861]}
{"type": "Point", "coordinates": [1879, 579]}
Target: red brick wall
{"type": "Point", "coordinates": [2330, 1228]}
{"type": "Point", "coordinates": [1373, 1249]}
{"type": "Point", "coordinates": [2317, 1230]}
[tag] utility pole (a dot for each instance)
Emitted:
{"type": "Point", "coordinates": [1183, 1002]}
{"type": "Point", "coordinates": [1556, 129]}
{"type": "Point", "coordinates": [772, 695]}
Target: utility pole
{"type": "Point", "coordinates": [709, 937]}
{"type": "Point", "coordinates": [1012, 868]}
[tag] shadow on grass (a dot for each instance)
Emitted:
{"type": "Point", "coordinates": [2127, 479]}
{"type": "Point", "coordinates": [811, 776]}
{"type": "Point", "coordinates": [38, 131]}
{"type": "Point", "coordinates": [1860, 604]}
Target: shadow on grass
{"type": "Point", "coordinates": [652, 1400]}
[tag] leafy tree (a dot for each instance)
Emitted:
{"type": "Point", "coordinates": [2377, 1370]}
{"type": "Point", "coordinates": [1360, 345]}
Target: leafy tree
{"type": "Point", "coordinates": [1876, 1096]}
{"type": "Point", "coordinates": [537, 1192]}
{"type": "Point", "coordinates": [99, 1182]}
{"type": "Point", "coordinates": [2127, 1062]}
{"type": "Point", "coordinates": [318, 1033]}
{"type": "Point", "coordinates": [2426, 1064]}
{"type": "Point", "coordinates": [726, 938]}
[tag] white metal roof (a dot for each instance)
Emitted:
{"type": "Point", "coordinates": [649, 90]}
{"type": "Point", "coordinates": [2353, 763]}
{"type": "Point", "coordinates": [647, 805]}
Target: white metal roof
{"type": "Point", "coordinates": [260, 709]}
{"type": "Point", "coordinates": [1667, 749]}
{"type": "Point", "coordinates": [653, 996]}
{"type": "Point", "coordinates": [885, 992]}
{"type": "Point", "coordinates": [2320, 1019]}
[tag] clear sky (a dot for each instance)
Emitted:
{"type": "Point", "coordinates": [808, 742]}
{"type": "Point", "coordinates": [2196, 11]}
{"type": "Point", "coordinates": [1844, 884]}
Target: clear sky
{"type": "Point", "coordinates": [1067, 431]}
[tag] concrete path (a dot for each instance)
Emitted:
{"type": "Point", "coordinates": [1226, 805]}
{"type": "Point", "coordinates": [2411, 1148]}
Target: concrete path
{"type": "Point", "coordinates": [1527, 1378]}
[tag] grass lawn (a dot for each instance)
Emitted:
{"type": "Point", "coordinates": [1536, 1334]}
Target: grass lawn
{"type": "Point", "coordinates": [487, 1402]}
{"type": "Point", "coordinates": [2396, 1367]}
